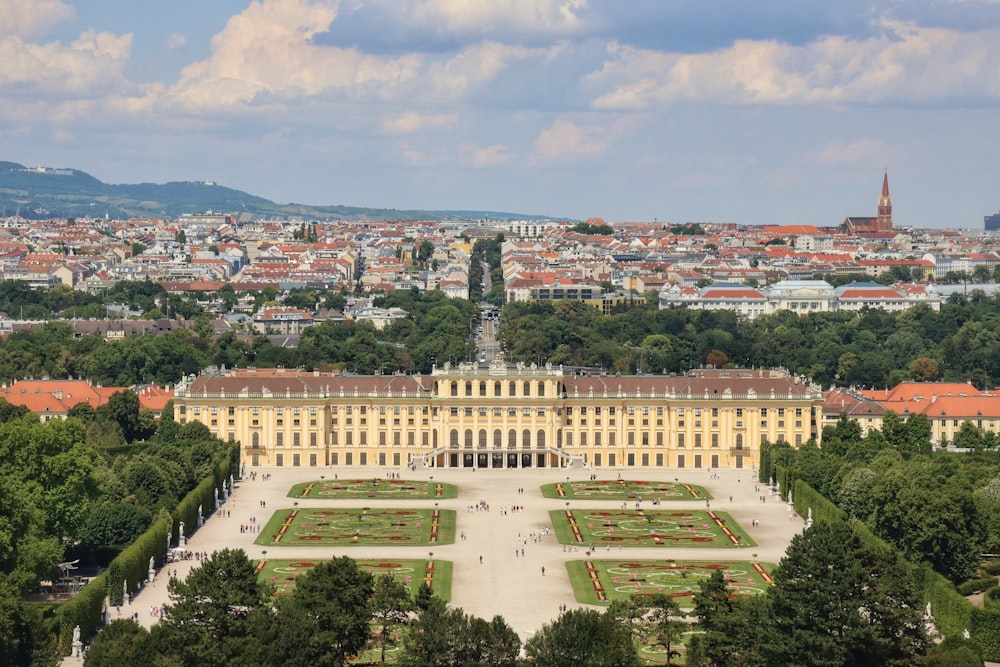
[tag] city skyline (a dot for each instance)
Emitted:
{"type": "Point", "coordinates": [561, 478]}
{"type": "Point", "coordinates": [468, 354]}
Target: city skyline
{"type": "Point", "coordinates": [770, 114]}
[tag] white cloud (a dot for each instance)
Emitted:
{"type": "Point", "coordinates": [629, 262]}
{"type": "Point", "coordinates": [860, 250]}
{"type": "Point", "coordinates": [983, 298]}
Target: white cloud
{"type": "Point", "coordinates": [176, 42]}
{"type": "Point", "coordinates": [475, 65]}
{"type": "Point", "coordinates": [28, 18]}
{"type": "Point", "coordinates": [905, 64]}
{"type": "Point", "coordinates": [484, 17]}
{"type": "Point", "coordinates": [489, 156]}
{"type": "Point", "coordinates": [565, 140]}
{"type": "Point", "coordinates": [91, 66]}
{"type": "Point", "coordinates": [861, 152]}
{"type": "Point", "coordinates": [412, 122]}
{"type": "Point", "coordinates": [266, 53]}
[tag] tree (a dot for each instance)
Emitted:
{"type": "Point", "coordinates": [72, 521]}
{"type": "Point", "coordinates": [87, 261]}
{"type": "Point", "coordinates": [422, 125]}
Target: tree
{"type": "Point", "coordinates": [929, 518]}
{"type": "Point", "coordinates": [10, 412]}
{"type": "Point", "coordinates": [446, 637]}
{"type": "Point", "coordinates": [16, 642]}
{"type": "Point", "coordinates": [837, 601]}
{"type": "Point", "coordinates": [925, 369]}
{"type": "Point", "coordinates": [424, 251]}
{"type": "Point", "coordinates": [123, 643]}
{"type": "Point", "coordinates": [208, 621]}
{"type": "Point", "coordinates": [583, 638]}
{"type": "Point", "coordinates": [123, 409]}
{"type": "Point", "coordinates": [717, 359]}
{"type": "Point", "coordinates": [333, 599]}
{"type": "Point", "coordinates": [390, 607]}
{"type": "Point", "coordinates": [731, 627]}
{"type": "Point", "coordinates": [114, 524]}
{"type": "Point", "coordinates": [968, 436]}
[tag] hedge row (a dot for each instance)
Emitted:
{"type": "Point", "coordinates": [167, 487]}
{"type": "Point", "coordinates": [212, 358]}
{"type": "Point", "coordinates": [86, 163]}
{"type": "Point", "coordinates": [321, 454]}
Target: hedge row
{"type": "Point", "coordinates": [991, 599]}
{"type": "Point", "coordinates": [976, 585]}
{"type": "Point", "coordinates": [132, 564]}
{"type": "Point", "coordinates": [953, 614]}
{"type": "Point", "coordinates": [804, 498]}
{"type": "Point", "coordinates": [986, 632]}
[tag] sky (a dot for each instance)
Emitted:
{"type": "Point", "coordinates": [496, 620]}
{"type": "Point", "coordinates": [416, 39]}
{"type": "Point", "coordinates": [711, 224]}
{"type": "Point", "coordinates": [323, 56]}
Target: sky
{"type": "Point", "coordinates": [765, 112]}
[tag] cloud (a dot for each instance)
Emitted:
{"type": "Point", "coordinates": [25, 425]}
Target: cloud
{"type": "Point", "coordinates": [565, 140]}
{"type": "Point", "coordinates": [28, 18]}
{"type": "Point", "coordinates": [488, 156]}
{"type": "Point", "coordinates": [90, 67]}
{"type": "Point", "coordinates": [904, 64]}
{"type": "Point", "coordinates": [485, 17]}
{"type": "Point", "coordinates": [176, 42]}
{"type": "Point", "coordinates": [863, 151]}
{"type": "Point", "coordinates": [475, 65]}
{"type": "Point", "coordinates": [36, 74]}
{"type": "Point", "coordinates": [412, 122]}
{"type": "Point", "coordinates": [265, 55]}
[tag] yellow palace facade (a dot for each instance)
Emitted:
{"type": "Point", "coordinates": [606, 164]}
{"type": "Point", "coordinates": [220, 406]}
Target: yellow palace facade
{"type": "Point", "coordinates": [503, 415]}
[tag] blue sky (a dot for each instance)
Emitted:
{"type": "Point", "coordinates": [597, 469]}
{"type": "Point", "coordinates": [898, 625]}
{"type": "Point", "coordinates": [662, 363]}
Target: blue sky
{"type": "Point", "coordinates": [767, 112]}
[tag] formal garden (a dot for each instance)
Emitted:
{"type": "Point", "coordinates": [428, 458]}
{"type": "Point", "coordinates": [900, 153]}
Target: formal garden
{"type": "Point", "coordinates": [599, 581]}
{"type": "Point", "coordinates": [412, 572]}
{"type": "Point", "coordinates": [374, 488]}
{"type": "Point", "coordinates": [625, 489]}
{"type": "Point", "coordinates": [605, 529]}
{"type": "Point", "coordinates": [358, 526]}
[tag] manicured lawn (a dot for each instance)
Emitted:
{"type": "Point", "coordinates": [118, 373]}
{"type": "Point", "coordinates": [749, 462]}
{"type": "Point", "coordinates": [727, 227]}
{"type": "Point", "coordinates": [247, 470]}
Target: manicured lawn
{"type": "Point", "coordinates": [604, 580]}
{"type": "Point", "coordinates": [625, 489]}
{"type": "Point", "coordinates": [412, 572]}
{"type": "Point", "coordinates": [360, 526]}
{"type": "Point", "coordinates": [647, 528]}
{"type": "Point", "coordinates": [373, 488]}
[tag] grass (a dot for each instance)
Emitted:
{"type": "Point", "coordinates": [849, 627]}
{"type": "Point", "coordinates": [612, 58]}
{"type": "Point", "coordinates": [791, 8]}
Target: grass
{"type": "Point", "coordinates": [438, 573]}
{"type": "Point", "coordinates": [648, 528]}
{"type": "Point", "coordinates": [361, 526]}
{"type": "Point", "coordinates": [625, 489]}
{"type": "Point", "coordinates": [373, 488]}
{"type": "Point", "coordinates": [599, 581]}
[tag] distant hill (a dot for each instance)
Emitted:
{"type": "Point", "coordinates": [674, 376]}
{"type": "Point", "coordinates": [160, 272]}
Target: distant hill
{"type": "Point", "coordinates": [44, 192]}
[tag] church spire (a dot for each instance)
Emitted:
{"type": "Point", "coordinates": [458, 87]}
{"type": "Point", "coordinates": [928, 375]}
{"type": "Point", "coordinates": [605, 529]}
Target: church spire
{"type": "Point", "coordinates": [884, 222]}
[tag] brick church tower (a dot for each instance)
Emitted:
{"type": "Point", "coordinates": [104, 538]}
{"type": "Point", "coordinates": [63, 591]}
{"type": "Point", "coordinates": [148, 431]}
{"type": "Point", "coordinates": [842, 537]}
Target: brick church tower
{"type": "Point", "coordinates": [884, 221]}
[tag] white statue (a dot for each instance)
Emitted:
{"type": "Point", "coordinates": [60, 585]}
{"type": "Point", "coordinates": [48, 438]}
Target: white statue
{"type": "Point", "coordinates": [76, 635]}
{"type": "Point", "coordinates": [152, 563]}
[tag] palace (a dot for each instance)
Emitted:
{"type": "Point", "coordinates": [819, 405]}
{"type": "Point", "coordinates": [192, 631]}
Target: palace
{"type": "Point", "coordinates": [503, 415]}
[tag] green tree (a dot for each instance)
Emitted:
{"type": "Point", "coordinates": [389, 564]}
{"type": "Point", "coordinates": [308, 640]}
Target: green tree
{"type": "Point", "coordinates": [837, 601]}
{"type": "Point", "coordinates": [10, 412]}
{"type": "Point", "coordinates": [209, 618]}
{"type": "Point", "coordinates": [968, 436]}
{"type": "Point", "coordinates": [123, 409]}
{"type": "Point", "coordinates": [334, 600]}
{"type": "Point", "coordinates": [123, 643]}
{"type": "Point", "coordinates": [665, 624]}
{"type": "Point", "coordinates": [731, 628]}
{"type": "Point", "coordinates": [446, 637]}
{"type": "Point", "coordinates": [425, 250]}
{"type": "Point", "coordinates": [583, 638]}
{"type": "Point", "coordinates": [390, 608]}
{"type": "Point", "coordinates": [114, 524]}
